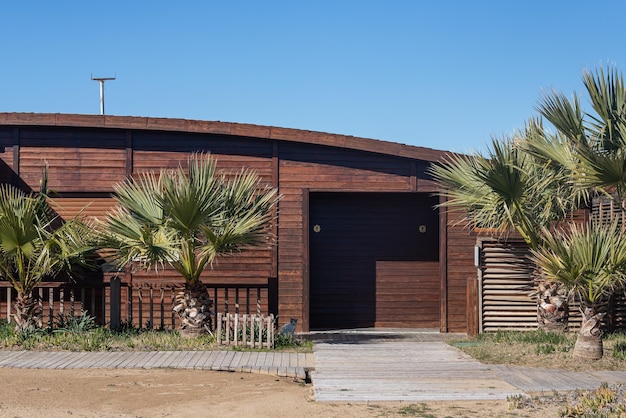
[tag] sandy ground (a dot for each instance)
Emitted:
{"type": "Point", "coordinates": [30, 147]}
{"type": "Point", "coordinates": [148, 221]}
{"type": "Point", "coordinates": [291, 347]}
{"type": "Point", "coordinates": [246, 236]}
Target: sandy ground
{"type": "Point", "coordinates": [191, 393]}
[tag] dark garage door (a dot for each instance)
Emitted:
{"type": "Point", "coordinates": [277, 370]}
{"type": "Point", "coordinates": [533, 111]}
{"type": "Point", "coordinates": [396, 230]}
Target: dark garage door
{"type": "Point", "coordinates": [352, 235]}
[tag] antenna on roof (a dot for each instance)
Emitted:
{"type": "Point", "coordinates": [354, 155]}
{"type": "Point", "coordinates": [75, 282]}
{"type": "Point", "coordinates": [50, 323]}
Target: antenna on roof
{"type": "Point", "coordinates": [101, 80]}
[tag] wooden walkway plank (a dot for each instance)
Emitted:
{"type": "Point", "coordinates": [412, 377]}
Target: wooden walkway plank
{"type": "Point", "coordinates": [226, 361]}
{"type": "Point", "coordinates": [168, 361]}
{"type": "Point", "coordinates": [183, 359]}
{"type": "Point", "coordinates": [154, 360]}
{"type": "Point", "coordinates": [82, 360]}
{"type": "Point", "coordinates": [218, 360]}
{"type": "Point", "coordinates": [163, 360]}
{"type": "Point", "coordinates": [53, 359]}
{"type": "Point", "coordinates": [251, 361]}
{"type": "Point", "coordinates": [400, 371]}
{"type": "Point", "coordinates": [63, 361]}
{"type": "Point", "coordinates": [7, 358]}
{"type": "Point", "coordinates": [135, 360]}
{"type": "Point", "coordinates": [109, 360]}
{"type": "Point", "coordinates": [260, 361]}
{"type": "Point", "coordinates": [235, 364]}
{"type": "Point", "coordinates": [24, 360]}
{"type": "Point", "coordinates": [193, 359]}
{"type": "Point", "coordinates": [263, 362]}
{"type": "Point", "coordinates": [207, 361]}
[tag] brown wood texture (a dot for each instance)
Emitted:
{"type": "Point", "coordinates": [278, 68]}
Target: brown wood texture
{"type": "Point", "coordinates": [473, 314]}
{"type": "Point", "coordinates": [460, 243]}
{"type": "Point", "coordinates": [407, 294]}
{"type": "Point", "coordinates": [87, 155]}
{"type": "Point", "coordinates": [222, 128]}
{"type": "Point", "coordinates": [349, 234]}
{"type": "Point", "coordinates": [89, 206]}
{"type": "Point", "coordinates": [506, 284]}
{"type": "Point", "coordinates": [73, 170]}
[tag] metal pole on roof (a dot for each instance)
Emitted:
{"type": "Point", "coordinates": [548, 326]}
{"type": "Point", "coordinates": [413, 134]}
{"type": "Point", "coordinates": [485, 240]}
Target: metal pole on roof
{"type": "Point", "coordinates": [101, 80]}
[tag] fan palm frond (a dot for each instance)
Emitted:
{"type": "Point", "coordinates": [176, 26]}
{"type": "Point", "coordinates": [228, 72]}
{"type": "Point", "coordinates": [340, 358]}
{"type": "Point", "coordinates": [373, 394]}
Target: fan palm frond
{"type": "Point", "coordinates": [187, 219]}
{"type": "Point", "coordinates": [590, 262]}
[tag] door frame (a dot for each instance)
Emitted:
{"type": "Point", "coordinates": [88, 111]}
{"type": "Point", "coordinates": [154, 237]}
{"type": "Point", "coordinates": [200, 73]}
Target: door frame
{"type": "Point", "coordinates": [306, 259]}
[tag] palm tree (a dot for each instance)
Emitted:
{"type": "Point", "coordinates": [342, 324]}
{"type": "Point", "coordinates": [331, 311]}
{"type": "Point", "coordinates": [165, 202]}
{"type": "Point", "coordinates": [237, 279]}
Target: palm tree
{"type": "Point", "coordinates": [558, 171]}
{"type": "Point", "coordinates": [508, 191]}
{"type": "Point", "coordinates": [590, 146]}
{"type": "Point", "coordinates": [32, 248]}
{"type": "Point", "coordinates": [591, 263]}
{"type": "Point", "coordinates": [185, 221]}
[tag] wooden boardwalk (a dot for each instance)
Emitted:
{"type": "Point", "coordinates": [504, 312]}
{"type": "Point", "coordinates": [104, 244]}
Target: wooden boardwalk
{"type": "Point", "coordinates": [348, 367]}
{"type": "Point", "coordinates": [296, 365]}
{"type": "Point", "coordinates": [420, 366]}
{"type": "Point", "coordinates": [531, 379]}
{"type": "Point", "coordinates": [402, 371]}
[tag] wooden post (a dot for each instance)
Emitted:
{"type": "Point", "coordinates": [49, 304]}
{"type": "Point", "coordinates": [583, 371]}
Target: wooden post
{"type": "Point", "coordinates": [162, 308]}
{"type": "Point", "coordinates": [244, 336]}
{"type": "Point", "coordinates": [219, 328]}
{"type": "Point", "coordinates": [40, 306]}
{"type": "Point", "coordinates": [51, 307]}
{"type": "Point", "coordinates": [61, 301]}
{"type": "Point", "coordinates": [9, 296]}
{"type": "Point", "coordinates": [151, 305]}
{"type": "Point", "coordinates": [115, 303]}
{"type": "Point", "coordinates": [472, 307]}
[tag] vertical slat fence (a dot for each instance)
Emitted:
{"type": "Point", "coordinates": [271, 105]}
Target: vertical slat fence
{"type": "Point", "coordinates": [255, 331]}
{"type": "Point", "coordinates": [142, 305]}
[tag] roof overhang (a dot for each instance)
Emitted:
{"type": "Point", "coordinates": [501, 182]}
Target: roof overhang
{"type": "Point", "coordinates": [224, 128]}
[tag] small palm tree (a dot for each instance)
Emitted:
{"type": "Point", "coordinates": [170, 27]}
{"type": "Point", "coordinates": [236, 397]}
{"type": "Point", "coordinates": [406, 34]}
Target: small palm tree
{"type": "Point", "coordinates": [185, 220]}
{"type": "Point", "coordinates": [591, 264]}
{"type": "Point", "coordinates": [32, 248]}
{"type": "Point", "coordinates": [508, 191]}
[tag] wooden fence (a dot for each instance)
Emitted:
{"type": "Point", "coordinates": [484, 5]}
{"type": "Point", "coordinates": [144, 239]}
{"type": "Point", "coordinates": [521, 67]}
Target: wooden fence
{"type": "Point", "coordinates": [116, 302]}
{"type": "Point", "coordinates": [500, 299]}
{"type": "Point", "coordinates": [256, 331]}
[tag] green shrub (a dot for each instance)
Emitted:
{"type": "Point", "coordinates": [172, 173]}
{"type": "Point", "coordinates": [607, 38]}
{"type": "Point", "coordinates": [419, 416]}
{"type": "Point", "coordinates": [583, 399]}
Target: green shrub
{"type": "Point", "coordinates": [70, 323]}
{"type": "Point", "coordinates": [619, 350]}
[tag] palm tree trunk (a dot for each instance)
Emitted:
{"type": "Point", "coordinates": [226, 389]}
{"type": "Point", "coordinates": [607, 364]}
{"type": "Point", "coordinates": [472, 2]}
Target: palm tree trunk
{"type": "Point", "coordinates": [26, 312]}
{"type": "Point", "coordinates": [552, 307]}
{"type": "Point", "coordinates": [193, 307]}
{"type": "Point", "coordinates": [589, 341]}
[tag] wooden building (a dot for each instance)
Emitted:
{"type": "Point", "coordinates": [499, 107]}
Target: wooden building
{"type": "Point", "coordinates": [359, 242]}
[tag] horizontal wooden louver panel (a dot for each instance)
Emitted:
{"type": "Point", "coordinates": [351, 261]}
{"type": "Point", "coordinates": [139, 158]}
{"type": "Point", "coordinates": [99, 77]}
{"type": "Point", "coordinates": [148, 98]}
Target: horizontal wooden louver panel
{"type": "Point", "coordinates": [506, 288]}
{"type": "Point", "coordinates": [506, 284]}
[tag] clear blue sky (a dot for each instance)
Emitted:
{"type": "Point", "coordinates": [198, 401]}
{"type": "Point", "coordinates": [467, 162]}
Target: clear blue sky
{"type": "Point", "coordinates": [440, 74]}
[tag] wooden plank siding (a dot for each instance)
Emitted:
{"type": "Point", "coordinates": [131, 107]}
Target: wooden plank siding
{"type": "Point", "coordinates": [407, 287]}
{"type": "Point", "coordinates": [88, 155]}
{"type": "Point", "coordinates": [460, 243]}
{"type": "Point", "coordinates": [73, 170]}
{"type": "Point", "coordinates": [319, 168]}
{"type": "Point", "coordinates": [8, 149]}
{"type": "Point", "coordinates": [90, 206]}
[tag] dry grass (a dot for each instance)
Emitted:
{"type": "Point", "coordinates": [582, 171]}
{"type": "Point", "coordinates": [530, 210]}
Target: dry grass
{"type": "Point", "coordinates": [539, 349]}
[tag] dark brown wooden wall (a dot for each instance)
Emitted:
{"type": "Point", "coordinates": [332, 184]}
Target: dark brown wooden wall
{"type": "Point", "coordinates": [85, 164]}
{"type": "Point", "coordinates": [459, 246]}
{"type": "Point", "coordinates": [306, 168]}
{"type": "Point", "coordinates": [407, 286]}
{"type": "Point", "coordinates": [86, 161]}
{"type": "Point", "coordinates": [349, 234]}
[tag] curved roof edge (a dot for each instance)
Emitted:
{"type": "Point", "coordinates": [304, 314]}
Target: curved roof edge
{"type": "Point", "coordinates": [216, 127]}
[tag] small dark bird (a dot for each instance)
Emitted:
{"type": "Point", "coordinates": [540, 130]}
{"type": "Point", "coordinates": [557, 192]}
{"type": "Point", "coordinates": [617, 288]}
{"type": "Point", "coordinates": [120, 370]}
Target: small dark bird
{"type": "Point", "coordinates": [289, 328]}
